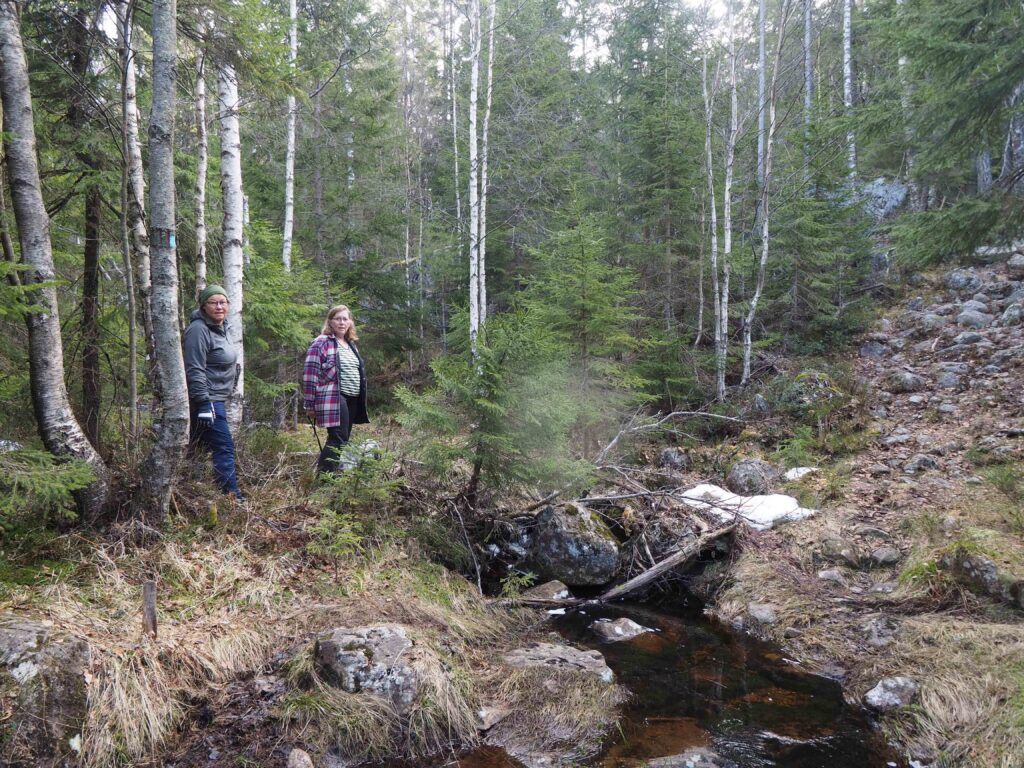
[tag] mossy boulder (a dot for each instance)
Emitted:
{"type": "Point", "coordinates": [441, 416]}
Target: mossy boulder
{"type": "Point", "coordinates": [574, 545]}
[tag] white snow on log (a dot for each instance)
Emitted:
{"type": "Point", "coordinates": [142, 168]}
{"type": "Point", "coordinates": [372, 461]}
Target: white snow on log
{"type": "Point", "coordinates": [759, 512]}
{"type": "Point", "coordinates": [797, 472]}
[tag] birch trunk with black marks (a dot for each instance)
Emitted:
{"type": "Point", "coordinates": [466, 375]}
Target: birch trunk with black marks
{"type": "Point", "coordinates": [59, 429]}
{"type": "Point", "coordinates": [289, 153]}
{"type": "Point", "coordinates": [484, 154]}
{"type": "Point", "coordinates": [202, 166]}
{"type": "Point", "coordinates": [730, 156]}
{"type": "Point", "coordinates": [125, 58]}
{"type": "Point", "coordinates": [808, 91]}
{"type": "Point", "coordinates": [234, 205]}
{"type": "Point", "coordinates": [709, 169]}
{"type": "Point", "coordinates": [748, 323]}
{"type": "Point", "coordinates": [851, 142]}
{"type": "Point", "coordinates": [160, 466]}
{"type": "Point", "coordinates": [761, 24]}
{"type": "Point", "coordinates": [474, 170]}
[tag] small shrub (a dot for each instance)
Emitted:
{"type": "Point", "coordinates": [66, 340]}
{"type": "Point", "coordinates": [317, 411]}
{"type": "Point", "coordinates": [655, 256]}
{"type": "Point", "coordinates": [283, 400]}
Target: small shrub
{"type": "Point", "coordinates": [36, 487]}
{"type": "Point", "coordinates": [1008, 479]}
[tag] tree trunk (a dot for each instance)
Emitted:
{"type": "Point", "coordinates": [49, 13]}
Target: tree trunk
{"type": "Point", "coordinates": [808, 91]}
{"type": "Point", "coordinates": [124, 55]}
{"type": "Point", "coordinates": [202, 165]}
{"type": "Point", "coordinates": [484, 154]}
{"type": "Point", "coordinates": [160, 466]}
{"type": "Point", "coordinates": [760, 91]}
{"type": "Point", "coordinates": [474, 197]}
{"type": "Point", "coordinates": [91, 404]}
{"type": "Point", "coordinates": [234, 204]}
{"type": "Point", "coordinates": [984, 167]}
{"type": "Point", "coordinates": [851, 144]}
{"type": "Point", "coordinates": [730, 156]}
{"type": "Point", "coordinates": [59, 429]}
{"type": "Point", "coordinates": [769, 153]}
{"type": "Point", "coordinates": [454, 97]}
{"type": "Point", "coordinates": [289, 155]}
{"type": "Point", "coordinates": [709, 168]}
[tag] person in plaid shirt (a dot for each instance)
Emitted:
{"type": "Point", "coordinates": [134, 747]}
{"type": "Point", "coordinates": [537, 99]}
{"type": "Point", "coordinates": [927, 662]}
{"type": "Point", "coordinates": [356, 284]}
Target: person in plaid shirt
{"type": "Point", "coordinates": [334, 384]}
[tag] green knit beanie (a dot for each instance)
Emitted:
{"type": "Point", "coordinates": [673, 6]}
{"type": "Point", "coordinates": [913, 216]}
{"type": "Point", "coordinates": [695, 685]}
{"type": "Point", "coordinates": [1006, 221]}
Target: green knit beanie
{"type": "Point", "coordinates": [211, 290]}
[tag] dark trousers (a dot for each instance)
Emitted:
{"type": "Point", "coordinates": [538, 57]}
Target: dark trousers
{"type": "Point", "coordinates": [216, 438]}
{"type": "Point", "coordinates": [337, 437]}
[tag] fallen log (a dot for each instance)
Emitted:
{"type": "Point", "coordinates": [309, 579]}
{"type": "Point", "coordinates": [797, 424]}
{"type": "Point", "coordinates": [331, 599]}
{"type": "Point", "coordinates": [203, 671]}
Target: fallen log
{"type": "Point", "coordinates": [681, 557]}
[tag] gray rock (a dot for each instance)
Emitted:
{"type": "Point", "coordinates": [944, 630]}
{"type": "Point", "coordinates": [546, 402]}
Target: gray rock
{"type": "Point", "coordinates": [1013, 315]}
{"type": "Point", "coordinates": [42, 673]}
{"type": "Point", "coordinates": [963, 281]}
{"type": "Point", "coordinates": [973, 319]}
{"type": "Point", "coordinates": [948, 380]}
{"type": "Point", "coordinates": [899, 382]}
{"type": "Point", "coordinates": [880, 631]}
{"type": "Point", "coordinates": [836, 550]}
{"type": "Point", "coordinates": [879, 470]}
{"type": "Point", "coordinates": [930, 323]}
{"type": "Point", "coordinates": [881, 197]}
{"type": "Point", "coordinates": [885, 556]}
{"type": "Point", "coordinates": [618, 630]}
{"type": "Point", "coordinates": [999, 288]}
{"type": "Point", "coordinates": [990, 370]}
{"type": "Point", "coordinates": [978, 573]}
{"type": "Point", "coordinates": [550, 655]}
{"type": "Point", "coordinates": [297, 758]}
{"type": "Point", "coordinates": [375, 659]}
{"type": "Point", "coordinates": [976, 306]}
{"type": "Point", "coordinates": [833, 575]}
{"type": "Point", "coordinates": [750, 477]}
{"type": "Point", "coordinates": [891, 693]}
{"type": "Point", "coordinates": [920, 462]}
{"type": "Point", "coordinates": [549, 590]}
{"type": "Point", "coordinates": [695, 757]}
{"type": "Point", "coordinates": [897, 439]}
{"type": "Point", "coordinates": [762, 613]}
{"type": "Point", "coordinates": [1015, 267]}
{"type": "Point", "coordinates": [871, 532]}
{"type": "Point", "coordinates": [874, 349]}
{"type": "Point", "coordinates": [917, 399]}
{"type": "Point", "coordinates": [761, 404]}
{"type": "Point", "coordinates": [955, 367]}
{"type": "Point", "coordinates": [884, 587]}
{"type": "Point", "coordinates": [572, 544]}
{"type": "Point", "coordinates": [674, 458]}
{"type": "Point", "coordinates": [967, 337]}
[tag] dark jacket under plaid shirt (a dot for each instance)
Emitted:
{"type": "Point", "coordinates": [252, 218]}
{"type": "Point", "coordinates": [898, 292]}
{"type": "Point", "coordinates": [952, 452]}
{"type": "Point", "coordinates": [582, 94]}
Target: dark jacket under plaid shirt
{"type": "Point", "coordinates": [320, 390]}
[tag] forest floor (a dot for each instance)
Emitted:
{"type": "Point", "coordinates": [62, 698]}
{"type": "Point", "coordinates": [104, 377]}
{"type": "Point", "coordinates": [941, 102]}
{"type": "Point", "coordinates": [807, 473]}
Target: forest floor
{"type": "Point", "coordinates": [911, 567]}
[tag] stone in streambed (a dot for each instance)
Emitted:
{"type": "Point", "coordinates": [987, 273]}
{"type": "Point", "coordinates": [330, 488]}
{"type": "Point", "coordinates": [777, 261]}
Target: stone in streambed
{"type": "Point", "coordinates": [573, 545]}
{"type": "Point", "coordinates": [618, 630]}
{"type": "Point", "coordinates": [891, 693]}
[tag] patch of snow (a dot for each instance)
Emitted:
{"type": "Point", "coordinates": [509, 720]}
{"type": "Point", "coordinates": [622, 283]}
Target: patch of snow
{"type": "Point", "coordinates": [797, 472]}
{"type": "Point", "coordinates": [556, 611]}
{"type": "Point", "coordinates": [759, 512]}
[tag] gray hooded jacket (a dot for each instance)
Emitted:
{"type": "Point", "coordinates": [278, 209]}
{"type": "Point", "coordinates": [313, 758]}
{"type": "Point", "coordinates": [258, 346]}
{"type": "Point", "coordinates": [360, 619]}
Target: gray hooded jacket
{"type": "Point", "coordinates": [211, 361]}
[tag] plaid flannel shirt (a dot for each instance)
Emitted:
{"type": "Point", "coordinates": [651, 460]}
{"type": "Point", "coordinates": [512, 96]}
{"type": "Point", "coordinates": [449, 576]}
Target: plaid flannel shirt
{"type": "Point", "coordinates": [320, 391]}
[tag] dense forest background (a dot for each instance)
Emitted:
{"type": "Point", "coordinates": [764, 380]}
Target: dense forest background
{"type": "Point", "coordinates": [547, 216]}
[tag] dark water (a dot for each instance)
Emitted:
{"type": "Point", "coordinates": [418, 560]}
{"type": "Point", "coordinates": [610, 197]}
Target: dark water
{"type": "Point", "coordinates": [695, 683]}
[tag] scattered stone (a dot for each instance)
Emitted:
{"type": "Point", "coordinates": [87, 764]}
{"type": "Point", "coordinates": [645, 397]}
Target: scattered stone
{"type": "Point", "coordinates": [891, 693]}
{"type": "Point", "coordinates": [751, 477]}
{"type": "Point", "coordinates": [903, 381]}
{"type": "Point", "coordinates": [919, 463]}
{"type": "Point", "coordinates": [978, 573]}
{"type": "Point", "coordinates": [967, 338]}
{"type": "Point", "coordinates": [572, 544]}
{"type": "Point", "coordinates": [791, 632]}
{"type": "Point", "coordinates": [674, 458]}
{"type": "Point", "coordinates": [897, 439]}
{"type": "Point", "coordinates": [881, 631]}
{"type": "Point", "coordinates": [549, 590]}
{"type": "Point", "coordinates": [761, 404]}
{"type": "Point", "coordinates": [836, 550]}
{"type": "Point", "coordinates": [42, 679]}
{"type": "Point", "coordinates": [885, 556]}
{"type": "Point", "coordinates": [955, 367]}
{"type": "Point", "coordinates": [975, 305]}
{"type": "Point", "coordinates": [1013, 315]}
{"type": "Point", "coordinates": [948, 381]}
{"type": "Point", "coordinates": [762, 613]}
{"type": "Point", "coordinates": [963, 281]}
{"type": "Point", "coordinates": [973, 319]}
{"type": "Point", "coordinates": [878, 470]}
{"type": "Point", "coordinates": [490, 716]}
{"type": "Point", "coordinates": [884, 587]}
{"type": "Point", "coordinates": [375, 659]}
{"type": "Point", "coordinates": [917, 399]}
{"type": "Point", "coordinates": [833, 575]}
{"type": "Point", "coordinates": [560, 657]}
{"type": "Point", "coordinates": [1015, 267]}
{"type": "Point", "coordinates": [878, 412]}
{"type": "Point", "coordinates": [871, 532]}
{"type": "Point", "coordinates": [618, 630]}
{"type": "Point", "coordinates": [874, 349]}
{"type": "Point", "coordinates": [298, 758]}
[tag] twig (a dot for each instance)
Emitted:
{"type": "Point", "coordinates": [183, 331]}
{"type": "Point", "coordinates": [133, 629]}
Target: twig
{"type": "Point", "coordinates": [469, 545]}
{"type": "Point", "coordinates": [542, 502]}
{"type": "Point", "coordinates": [628, 429]}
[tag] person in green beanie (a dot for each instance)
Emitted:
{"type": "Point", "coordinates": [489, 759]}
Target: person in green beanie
{"type": "Point", "coordinates": [211, 371]}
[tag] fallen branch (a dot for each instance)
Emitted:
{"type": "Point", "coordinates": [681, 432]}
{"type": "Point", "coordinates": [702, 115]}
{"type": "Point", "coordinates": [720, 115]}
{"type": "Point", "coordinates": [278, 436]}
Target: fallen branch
{"type": "Point", "coordinates": [628, 429]}
{"type": "Point", "coordinates": [681, 557]}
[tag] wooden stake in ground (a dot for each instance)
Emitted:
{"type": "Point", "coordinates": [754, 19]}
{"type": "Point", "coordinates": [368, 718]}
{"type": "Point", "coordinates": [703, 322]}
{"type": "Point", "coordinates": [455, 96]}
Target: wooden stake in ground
{"type": "Point", "coordinates": [149, 608]}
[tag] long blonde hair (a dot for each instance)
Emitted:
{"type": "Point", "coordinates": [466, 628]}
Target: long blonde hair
{"type": "Point", "coordinates": [351, 334]}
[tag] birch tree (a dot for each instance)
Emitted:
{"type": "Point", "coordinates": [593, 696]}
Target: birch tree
{"type": "Point", "coordinates": [233, 236]}
{"type": "Point", "coordinates": [808, 89]}
{"type": "Point", "coordinates": [761, 24]}
{"type": "Point", "coordinates": [59, 429]}
{"type": "Point", "coordinates": [748, 323]}
{"type": "Point", "coordinates": [124, 23]}
{"type": "Point", "coordinates": [474, 170]}
{"type": "Point", "coordinates": [289, 156]}
{"type": "Point", "coordinates": [851, 144]}
{"type": "Point", "coordinates": [712, 207]}
{"type": "Point", "coordinates": [202, 166]}
{"type": "Point", "coordinates": [169, 368]}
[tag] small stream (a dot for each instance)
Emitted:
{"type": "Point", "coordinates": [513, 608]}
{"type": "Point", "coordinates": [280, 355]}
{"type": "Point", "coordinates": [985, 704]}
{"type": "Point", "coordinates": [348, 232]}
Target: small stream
{"type": "Point", "coordinates": [696, 683]}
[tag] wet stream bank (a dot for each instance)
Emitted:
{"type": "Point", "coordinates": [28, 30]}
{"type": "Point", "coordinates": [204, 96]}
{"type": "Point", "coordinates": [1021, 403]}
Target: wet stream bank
{"type": "Point", "coordinates": [696, 683]}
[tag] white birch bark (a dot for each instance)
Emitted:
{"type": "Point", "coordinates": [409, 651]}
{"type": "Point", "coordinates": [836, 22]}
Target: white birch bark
{"type": "Point", "coordinates": [808, 90]}
{"type": "Point", "coordinates": [984, 168]}
{"type": "Point", "coordinates": [59, 429]}
{"type": "Point", "coordinates": [851, 143]}
{"type": "Point", "coordinates": [474, 198]}
{"type": "Point", "coordinates": [233, 237]}
{"type": "Point", "coordinates": [454, 100]}
{"type": "Point", "coordinates": [761, 25]}
{"type": "Point", "coordinates": [765, 218]}
{"type": "Point", "coordinates": [709, 167]}
{"type": "Point", "coordinates": [289, 156]}
{"type": "Point", "coordinates": [730, 156]}
{"type": "Point", "coordinates": [202, 166]}
{"type": "Point", "coordinates": [484, 154]}
{"type": "Point", "coordinates": [160, 466]}
{"type": "Point", "coordinates": [125, 57]}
